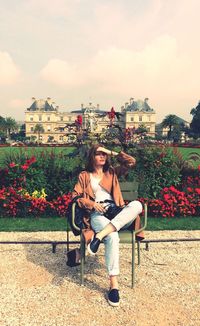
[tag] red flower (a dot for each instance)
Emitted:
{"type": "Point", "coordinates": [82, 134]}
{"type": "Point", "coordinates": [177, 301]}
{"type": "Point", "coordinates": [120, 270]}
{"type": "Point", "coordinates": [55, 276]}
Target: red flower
{"type": "Point", "coordinates": [12, 165]}
{"type": "Point", "coordinates": [24, 167]}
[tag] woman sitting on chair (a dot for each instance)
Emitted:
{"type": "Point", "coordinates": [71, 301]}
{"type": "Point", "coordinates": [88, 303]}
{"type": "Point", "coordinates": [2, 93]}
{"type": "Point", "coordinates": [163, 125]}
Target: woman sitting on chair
{"type": "Point", "coordinates": [99, 187]}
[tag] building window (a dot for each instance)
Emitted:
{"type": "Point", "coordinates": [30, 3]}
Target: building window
{"type": "Point", "coordinates": [61, 138]}
{"type": "Point", "coordinates": [70, 118]}
{"type": "Point", "coordinates": [132, 118]}
{"type": "Point", "coordinates": [32, 129]}
{"type": "Point", "coordinates": [61, 118]}
{"type": "Point", "coordinates": [31, 118]}
{"type": "Point", "coordinates": [40, 118]}
{"type": "Point", "coordinates": [103, 129]}
{"type": "Point", "coordinates": [149, 118]}
{"type": "Point", "coordinates": [140, 118]}
{"type": "Point", "coordinates": [48, 118]}
{"type": "Point", "coordinates": [148, 129]}
{"type": "Point", "coordinates": [48, 128]}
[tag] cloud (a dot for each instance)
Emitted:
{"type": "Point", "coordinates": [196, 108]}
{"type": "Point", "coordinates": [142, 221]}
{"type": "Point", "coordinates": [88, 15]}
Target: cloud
{"type": "Point", "coordinates": [51, 8]}
{"type": "Point", "coordinates": [61, 73]}
{"type": "Point", "coordinates": [120, 70]}
{"type": "Point", "coordinates": [18, 103]}
{"type": "Point", "coordinates": [9, 71]}
{"type": "Point", "coordinates": [158, 71]}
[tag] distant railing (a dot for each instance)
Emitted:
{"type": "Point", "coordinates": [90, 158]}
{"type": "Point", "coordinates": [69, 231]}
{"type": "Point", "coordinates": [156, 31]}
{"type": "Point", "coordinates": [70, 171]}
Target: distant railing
{"type": "Point", "coordinates": [55, 243]}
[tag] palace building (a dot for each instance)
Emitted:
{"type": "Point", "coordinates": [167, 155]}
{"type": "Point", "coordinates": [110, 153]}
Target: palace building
{"type": "Point", "coordinates": [46, 123]}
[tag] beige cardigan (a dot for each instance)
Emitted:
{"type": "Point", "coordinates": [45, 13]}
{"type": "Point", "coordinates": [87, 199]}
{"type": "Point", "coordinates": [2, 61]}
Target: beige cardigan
{"type": "Point", "coordinates": [110, 183]}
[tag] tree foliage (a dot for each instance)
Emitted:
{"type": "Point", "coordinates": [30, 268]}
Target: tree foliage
{"type": "Point", "coordinates": [176, 127]}
{"type": "Point", "coordinates": [195, 124]}
{"type": "Point", "coordinates": [38, 130]}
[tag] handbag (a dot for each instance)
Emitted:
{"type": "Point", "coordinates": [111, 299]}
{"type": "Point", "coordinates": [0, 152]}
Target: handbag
{"type": "Point", "coordinates": [73, 257]}
{"type": "Point", "coordinates": [112, 210]}
{"type": "Point", "coordinates": [80, 213]}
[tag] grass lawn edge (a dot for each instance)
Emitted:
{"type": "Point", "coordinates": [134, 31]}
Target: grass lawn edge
{"type": "Point", "coordinates": [36, 224]}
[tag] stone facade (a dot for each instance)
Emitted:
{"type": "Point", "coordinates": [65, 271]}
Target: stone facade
{"type": "Point", "coordinates": [58, 126]}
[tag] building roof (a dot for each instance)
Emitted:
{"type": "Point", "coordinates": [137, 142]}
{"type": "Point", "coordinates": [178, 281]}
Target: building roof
{"type": "Point", "coordinates": [43, 105]}
{"type": "Point", "coordinates": [139, 105]}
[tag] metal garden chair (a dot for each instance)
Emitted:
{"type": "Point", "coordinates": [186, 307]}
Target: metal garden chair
{"type": "Point", "coordinates": [129, 192]}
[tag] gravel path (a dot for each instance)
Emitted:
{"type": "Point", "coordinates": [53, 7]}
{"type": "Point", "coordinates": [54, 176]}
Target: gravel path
{"type": "Point", "coordinates": [38, 289]}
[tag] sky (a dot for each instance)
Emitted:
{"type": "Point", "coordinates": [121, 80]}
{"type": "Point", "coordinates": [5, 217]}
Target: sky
{"type": "Point", "coordinates": [100, 51]}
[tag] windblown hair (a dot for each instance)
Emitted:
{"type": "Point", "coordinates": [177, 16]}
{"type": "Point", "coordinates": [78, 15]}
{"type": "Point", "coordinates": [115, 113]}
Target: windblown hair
{"type": "Point", "coordinates": [90, 159]}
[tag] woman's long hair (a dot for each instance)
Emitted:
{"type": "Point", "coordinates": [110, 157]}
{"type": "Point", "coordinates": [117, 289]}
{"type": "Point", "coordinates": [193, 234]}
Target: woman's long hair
{"type": "Point", "coordinates": [90, 159]}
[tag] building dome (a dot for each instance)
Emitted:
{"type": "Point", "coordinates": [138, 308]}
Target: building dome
{"type": "Point", "coordinates": [42, 105]}
{"type": "Point", "coordinates": [139, 105]}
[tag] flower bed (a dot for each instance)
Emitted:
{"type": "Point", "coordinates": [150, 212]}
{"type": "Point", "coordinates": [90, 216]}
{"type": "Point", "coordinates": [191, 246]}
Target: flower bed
{"type": "Point", "coordinates": [177, 202]}
{"type": "Point", "coordinates": [17, 202]}
{"type": "Point", "coordinates": [25, 190]}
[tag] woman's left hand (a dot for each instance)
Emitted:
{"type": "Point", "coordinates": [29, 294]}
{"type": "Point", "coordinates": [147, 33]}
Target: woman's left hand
{"type": "Point", "coordinates": [99, 208]}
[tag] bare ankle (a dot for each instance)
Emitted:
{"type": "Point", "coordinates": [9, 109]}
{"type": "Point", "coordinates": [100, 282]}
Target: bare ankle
{"type": "Point", "coordinates": [114, 282]}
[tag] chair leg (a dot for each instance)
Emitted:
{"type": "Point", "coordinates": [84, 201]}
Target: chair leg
{"type": "Point", "coordinates": [67, 237]}
{"type": "Point", "coordinates": [82, 250]}
{"type": "Point", "coordinates": [138, 251]}
{"type": "Point", "coordinates": [133, 259]}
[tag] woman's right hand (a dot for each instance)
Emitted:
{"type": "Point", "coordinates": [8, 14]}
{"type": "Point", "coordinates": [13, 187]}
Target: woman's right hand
{"type": "Point", "coordinates": [107, 151]}
{"type": "Point", "coordinates": [99, 208]}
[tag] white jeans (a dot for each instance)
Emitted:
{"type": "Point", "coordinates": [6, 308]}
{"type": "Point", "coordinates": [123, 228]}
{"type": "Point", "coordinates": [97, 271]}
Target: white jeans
{"type": "Point", "coordinates": [111, 241]}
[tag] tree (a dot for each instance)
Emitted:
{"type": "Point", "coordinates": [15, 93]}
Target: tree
{"type": "Point", "coordinates": [176, 133]}
{"type": "Point", "coordinates": [38, 130]}
{"type": "Point", "coordinates": [20, 135]}
{"type": "Point", "coordinates": [195, 124]}
{"type": "Point", "coordinates": [170, 121]}
{"type": "Point", "coordinates": [2, 125]}
{"type": "Point", "coordinates": [10, 125]}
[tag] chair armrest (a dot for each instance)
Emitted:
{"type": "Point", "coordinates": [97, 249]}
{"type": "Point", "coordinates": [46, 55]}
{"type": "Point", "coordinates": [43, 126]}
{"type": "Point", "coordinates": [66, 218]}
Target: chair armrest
{"type": "Point", "coordinates": [145, 220]}
{"type": "Point", "coordinates": [73, 217]}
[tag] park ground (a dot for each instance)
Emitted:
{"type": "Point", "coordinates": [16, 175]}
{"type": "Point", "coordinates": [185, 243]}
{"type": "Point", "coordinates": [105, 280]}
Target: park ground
{"type": "Point", "coordinates": [37, 288]}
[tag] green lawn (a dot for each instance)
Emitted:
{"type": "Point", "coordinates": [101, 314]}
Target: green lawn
{"type": "Point", "coordinates": [31, 151]}
{"type": "Point", "coordinates": [189, 153]}
{"type": "Point", "coordinates": [34, 224]}
{"type": "Point", "coordinates": [186, 152]}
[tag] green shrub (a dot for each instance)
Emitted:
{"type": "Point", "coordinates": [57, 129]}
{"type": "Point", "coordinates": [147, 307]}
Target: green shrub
{"type": "Point", "coordinates": [156, 168]}
{"type": "Point", "coordinates": [57, 172]}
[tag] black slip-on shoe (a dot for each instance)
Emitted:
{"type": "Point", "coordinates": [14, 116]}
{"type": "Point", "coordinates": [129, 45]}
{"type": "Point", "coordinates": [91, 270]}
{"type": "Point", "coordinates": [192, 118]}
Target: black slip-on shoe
{"type": "Point", "coordinates": [113, 297]}
{"type": "Point", "coordinates": [93, 246]}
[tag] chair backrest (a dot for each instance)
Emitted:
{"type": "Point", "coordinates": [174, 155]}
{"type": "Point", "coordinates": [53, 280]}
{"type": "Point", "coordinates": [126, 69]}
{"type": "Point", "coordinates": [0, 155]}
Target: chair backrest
{"type": "Point", "coordinates": [129, 190]}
